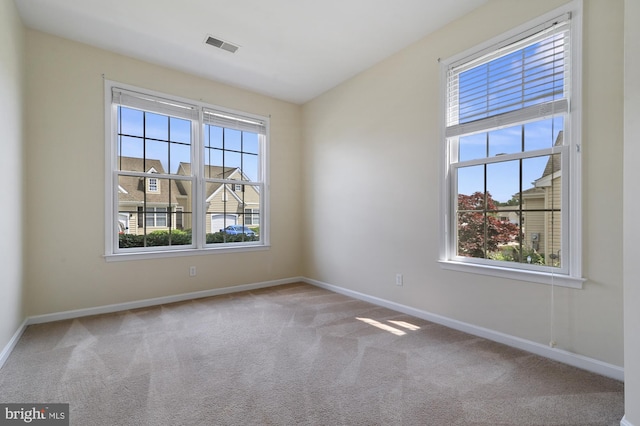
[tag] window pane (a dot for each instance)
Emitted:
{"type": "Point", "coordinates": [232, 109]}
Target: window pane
{"type": "Point", "coordinates": [214, 137]}
{"type": "Point", "coordinates": [232, 160]}
{"type": "Point", "coordinates": [250, 166]}
{"type": "Point", "coordinates": [250, 143]}
{"type": "Point", "coordinates": [130, 122]}
{"type": "Point", "coordinates": [232, 139]}
{"type": "Point", "coordinates": [472, 147]}
{"type": "Point", "coordinates": [131, 148]}
{"type": "Point", "coordinates": [543, 134]}
{"type": "Point", "coordinates": [178, 154]}
{"type": "Point", "coordinates": [213, 164]}
{"type": "Point", "coordinates": [471, 188]}
{"type": "Point", "coordinates": [156, 126]}
{"type": "Point", "coordinates": [158, 154]}
{"type": "Point", "coordinates": [503, 182]}
{"type": "Point", "coordinates": [180, 130]}
{"type": "Point", "coordinates": [505, 141]}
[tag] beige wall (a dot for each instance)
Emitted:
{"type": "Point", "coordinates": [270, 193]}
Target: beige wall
{"type": "Point", "coordinates": [65, 183]}
{"type": "Point", "coordinates": [371, 174]}
{"type": "Point", "coordinates": [631, 209]}
{"type": "Point", "coordinates": [11, 170]}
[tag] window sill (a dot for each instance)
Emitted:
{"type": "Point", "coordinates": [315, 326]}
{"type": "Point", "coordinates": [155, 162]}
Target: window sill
{"type": "Point", "coordinates": [514, 274]}
{"type": "Point", "coordinates": [140, 255]}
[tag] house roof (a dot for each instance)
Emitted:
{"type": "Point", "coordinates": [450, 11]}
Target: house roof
{"type": "Point", "coordinates": [553, 166]}
{"type": "Point", "coordinates": [211, 172]}
{"type": "Point", "coordinates": [133, 187]}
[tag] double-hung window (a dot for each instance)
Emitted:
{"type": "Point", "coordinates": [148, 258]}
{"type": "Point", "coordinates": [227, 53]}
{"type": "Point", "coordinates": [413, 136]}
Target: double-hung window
{"type": "Point", "coordinates": [512, 172]}
{"type": "Point", "coordinates": [179, 173]}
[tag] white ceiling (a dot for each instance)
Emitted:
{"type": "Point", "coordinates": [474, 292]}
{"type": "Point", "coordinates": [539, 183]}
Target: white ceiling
{"type": "Point", "coordinates": [289, 49]}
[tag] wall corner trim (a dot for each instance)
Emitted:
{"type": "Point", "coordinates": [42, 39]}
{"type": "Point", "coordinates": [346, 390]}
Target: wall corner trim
{"type": "Point", "coordinates": [625, 422]}
{"type": "Point", "coordinates": [566, 357]}
{"type": "Point", "coordinates": [4, 355]}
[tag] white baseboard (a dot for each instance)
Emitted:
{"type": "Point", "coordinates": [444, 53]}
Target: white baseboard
{"type": "Point", "coordinates": [12, 343]}
{"type": "Point", "coordinates": [625, 422]}
{"type": "Point", "coordinates": [566, 357]}
{"type": "Point", "coordinates": [118, 307]}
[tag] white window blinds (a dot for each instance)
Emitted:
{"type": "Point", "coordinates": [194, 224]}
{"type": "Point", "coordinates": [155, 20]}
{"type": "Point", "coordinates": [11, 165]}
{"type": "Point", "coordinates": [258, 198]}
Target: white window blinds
{"type": "Point", "coordinates": [523, 78]}
{"type": "Point", "coordinates": [159, 105]}
{"type": "Point", "coordinates": [234, 121]}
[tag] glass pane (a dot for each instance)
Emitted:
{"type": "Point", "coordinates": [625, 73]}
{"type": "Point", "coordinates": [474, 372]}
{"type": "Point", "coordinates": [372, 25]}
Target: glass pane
{"type": "Point", "coordinates": [213, 164]}
{"type": "Point", "coordinates": [471, 234]}
{"type": "Point", "coordinates": [503, 183]}
{"type": "Point", "coordinates": [157, 153]}
{"type": "Point", "coordinates": [130, 122]}
{"type": "Point", "coordinates": [180, 130]}
{"type": "Point", "coordinates": [532, 170]}
{"type": "Point", "coordinates": [213, 137]}
{"type": "Point", "coordinates": [232, 139]}
{"type": "Point", "coordinates": [232, 160]}
{"type": "Point", "coordinates": [505, 233]}
{"type": "Point", "coordinates": [130, 149]}
{"type": "Point", "coordinates": [472, 147]}
{"type": "Point", "coordinates": [156, 126]}
{"type": "Point", "coordinates": [505, 141]}
{"type": "Point", "coordinates": [250, 166]}
{"type": "Point", "coordinates": [250, 143]}
{"type": "Point", "coordinates": [471, 188]}
{"type": "Point", "coordinates": [543, 134]}
{"type": "Point", "coordinates": [179, 154]}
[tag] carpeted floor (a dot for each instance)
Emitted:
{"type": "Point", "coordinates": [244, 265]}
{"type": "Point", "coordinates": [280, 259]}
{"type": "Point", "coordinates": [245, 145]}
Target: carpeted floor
{"type": "Point", "coordinates": [293, 354]}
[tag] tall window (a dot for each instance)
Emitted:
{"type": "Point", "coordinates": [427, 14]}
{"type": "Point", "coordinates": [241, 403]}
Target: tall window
{"type": "Point", "coordinates": [174, 167]}
{"type": "Point", "coordinates": [512, 171]}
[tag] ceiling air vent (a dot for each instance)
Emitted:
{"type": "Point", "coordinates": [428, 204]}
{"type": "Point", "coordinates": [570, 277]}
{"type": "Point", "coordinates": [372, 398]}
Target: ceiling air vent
{"type": "Point", "coordinates": [221, 44]}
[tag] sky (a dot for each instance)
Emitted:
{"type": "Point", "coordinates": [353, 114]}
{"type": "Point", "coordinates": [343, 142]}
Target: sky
{"type": "Point", "coordinates": [168, 139]}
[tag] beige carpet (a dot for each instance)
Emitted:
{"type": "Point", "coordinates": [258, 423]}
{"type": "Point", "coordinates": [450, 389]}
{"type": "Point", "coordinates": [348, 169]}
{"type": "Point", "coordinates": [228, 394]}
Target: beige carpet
{"type": "Point", "coordinates": [293, 354]}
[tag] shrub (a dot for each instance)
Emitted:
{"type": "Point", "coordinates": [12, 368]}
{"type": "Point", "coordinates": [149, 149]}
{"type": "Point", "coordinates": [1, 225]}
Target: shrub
{"type": "Point", "coordinates": [156, 239]}
{"type": "Point", "coordinates": [222, 237]}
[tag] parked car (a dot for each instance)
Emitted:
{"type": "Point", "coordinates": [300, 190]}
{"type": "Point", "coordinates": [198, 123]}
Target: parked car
{"type": "Point", "coordinates": [237, 230]}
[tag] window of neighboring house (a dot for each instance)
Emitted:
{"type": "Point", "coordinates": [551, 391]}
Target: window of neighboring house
{"type": "Point", "coordinates": [196, 153]}
{"type": "Point", "coordinates": [152, 185]}
{"type": "Point", "coordinates": [512, 181]}
{"type": "Point", "coordinates": [251, 217]}
{"type": "Point", "coordinates": [156, 217]}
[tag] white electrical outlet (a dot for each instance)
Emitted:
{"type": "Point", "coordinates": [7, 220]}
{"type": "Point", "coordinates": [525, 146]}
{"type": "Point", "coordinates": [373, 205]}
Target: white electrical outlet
{"type": "Point", "coordinates": [399, 280]}
{"type": "Point", "coordinates": [192, 271]}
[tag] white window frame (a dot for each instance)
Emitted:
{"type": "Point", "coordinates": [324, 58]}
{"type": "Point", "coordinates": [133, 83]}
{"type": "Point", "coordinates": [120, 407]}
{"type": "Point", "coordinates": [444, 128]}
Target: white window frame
{"type": "Point", "coordinates": [571, 275]}
{"type": "Point", "coordinates": [199, 245]}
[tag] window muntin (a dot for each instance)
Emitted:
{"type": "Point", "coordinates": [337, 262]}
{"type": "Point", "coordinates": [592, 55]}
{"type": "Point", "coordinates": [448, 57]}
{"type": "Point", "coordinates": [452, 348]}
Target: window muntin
{"type": "Point", "coordinates": [507, 127]}
{"type": "Point", "coordinates": [173, 209]}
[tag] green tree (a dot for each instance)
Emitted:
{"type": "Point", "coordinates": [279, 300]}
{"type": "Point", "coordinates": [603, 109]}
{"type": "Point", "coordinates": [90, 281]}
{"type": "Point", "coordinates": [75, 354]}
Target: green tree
{"type": "Point", "coordinates": [480, 230]}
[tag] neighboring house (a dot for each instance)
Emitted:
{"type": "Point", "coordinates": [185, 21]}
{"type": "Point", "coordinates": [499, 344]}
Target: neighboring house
{"type": "Point", "coordinates": [148, 203]}
{"type": "Point", "coordinates": [227, 203]}
{"type": "Point", "coordinates": [541, 207]}
{"type": "Point", "coordinates": [168, 201]}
